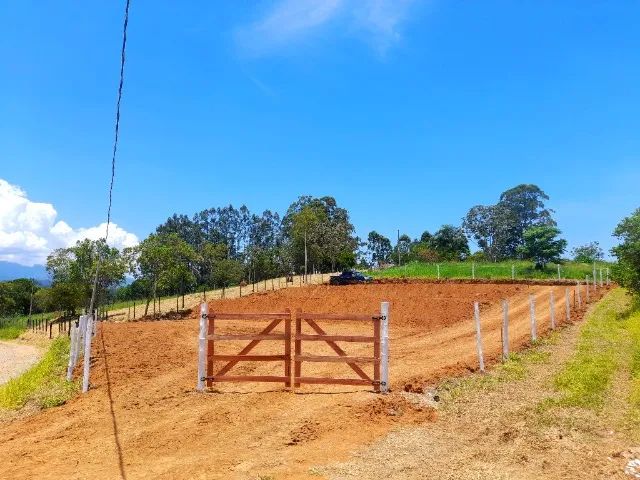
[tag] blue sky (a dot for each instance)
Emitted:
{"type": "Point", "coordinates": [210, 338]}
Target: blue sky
{"type": "Point", "coordinates": [407, 112]}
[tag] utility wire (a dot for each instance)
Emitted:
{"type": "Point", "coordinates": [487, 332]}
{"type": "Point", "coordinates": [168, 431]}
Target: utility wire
{"type": "Point", "coordinates": [115, 150]}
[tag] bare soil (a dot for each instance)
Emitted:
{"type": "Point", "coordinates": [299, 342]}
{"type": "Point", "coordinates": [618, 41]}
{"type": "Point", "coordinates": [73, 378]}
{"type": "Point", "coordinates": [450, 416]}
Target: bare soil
{"type": "Point", "coordinates": [15, 357]}
{"type": "Point", "coordinates": [143, 419]}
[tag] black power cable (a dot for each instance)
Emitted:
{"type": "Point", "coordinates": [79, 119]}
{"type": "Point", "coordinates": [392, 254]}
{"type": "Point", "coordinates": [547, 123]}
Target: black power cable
{"type": "Point", "coordinates": [115, 149]}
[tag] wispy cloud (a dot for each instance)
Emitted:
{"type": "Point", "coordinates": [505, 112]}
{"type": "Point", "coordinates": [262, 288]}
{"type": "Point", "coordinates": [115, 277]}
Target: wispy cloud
{"type": "Point", "coordinates": [289, 22]}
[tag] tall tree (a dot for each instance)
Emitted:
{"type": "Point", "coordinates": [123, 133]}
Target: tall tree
{"type": "Point", "coordinates": [588, 253]}
{"type": "Point", "coordinates": [450, 243]}
{"type": "Point", "coordinates": [499, 229]}
{"type": "Point", "coordinates": [379, 248]}
{"type": "Point", "coordinates": [73, 270]}
{"type": "Point", "coordinates": [627, 269]}
{"type": "Point", "coordinates": [542, 245]}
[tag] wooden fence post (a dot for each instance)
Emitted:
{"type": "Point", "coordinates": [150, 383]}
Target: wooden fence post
{"type": "Point", "coordinates": [476, 316]}
{"type": "Point", "coordinates": [505, 330]}
{"type": "Point", "coordinates": [384, 347]}
{"type": "Point", "coordinates": [202, 345]}
{"type": "Point", "coordinates": [532, 314]}
{"type": "Point", "coordinates": [567, 303]}
{"type": "Point", "coordinates": [552, 310]}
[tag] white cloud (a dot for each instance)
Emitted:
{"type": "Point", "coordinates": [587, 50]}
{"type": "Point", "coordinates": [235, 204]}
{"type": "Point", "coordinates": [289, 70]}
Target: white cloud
{"type": "Point", "coordinates": [290, 21]}
{"type": "Point", "coordinates": [29, 230]}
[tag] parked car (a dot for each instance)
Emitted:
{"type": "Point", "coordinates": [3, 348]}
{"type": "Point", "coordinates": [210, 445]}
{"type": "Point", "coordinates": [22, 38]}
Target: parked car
{"type": "Point", "coordinates": [349, 277]}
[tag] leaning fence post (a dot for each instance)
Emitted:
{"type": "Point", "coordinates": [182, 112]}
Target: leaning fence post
{"type": "Point", "coordinates": [384, 347]}
{"type": "Point", "coordinates": [476, 316]}
{"type": "Point", "coordinates": [505, 329]}
{"type": "Point", "coordinates": [202, 345]}
{"type": "Point", "coordinates": [87, 353]}
{"type": "Point", "coordinates": [567, 304]}
{"type": "Point", "coordinates": [532, 314]}
{"type": "Point", "coordinates": [552, 311]}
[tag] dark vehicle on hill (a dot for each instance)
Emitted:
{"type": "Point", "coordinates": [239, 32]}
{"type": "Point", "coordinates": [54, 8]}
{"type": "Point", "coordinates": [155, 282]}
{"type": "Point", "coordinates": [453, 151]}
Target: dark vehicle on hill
{"type": "Point", "coordinates": [349, 277]}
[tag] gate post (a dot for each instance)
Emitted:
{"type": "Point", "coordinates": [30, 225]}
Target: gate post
{"type": "Point", "coordinates": [202, 345]}
{"type": "Point", "coordinates": [384, 347]}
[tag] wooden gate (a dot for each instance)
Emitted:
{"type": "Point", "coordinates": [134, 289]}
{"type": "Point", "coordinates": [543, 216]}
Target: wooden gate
{"type": "Point", "coordinates": [244, 354]}
{"type": "Point", "coordinates": [379, 340]}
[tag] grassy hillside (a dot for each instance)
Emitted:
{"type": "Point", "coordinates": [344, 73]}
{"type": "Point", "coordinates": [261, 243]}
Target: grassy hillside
{"type": "Point", "coordinates": [522, 270]}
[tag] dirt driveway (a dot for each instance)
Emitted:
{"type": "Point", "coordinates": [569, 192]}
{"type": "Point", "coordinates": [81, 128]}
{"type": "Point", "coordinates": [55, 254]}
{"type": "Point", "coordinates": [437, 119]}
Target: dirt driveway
{"type": "Point", "coordinates": [15, 358]}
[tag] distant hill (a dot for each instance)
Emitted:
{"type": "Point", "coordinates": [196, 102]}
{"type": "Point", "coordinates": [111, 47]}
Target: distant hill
{"type": "Point", "coordinates": [11, 271]}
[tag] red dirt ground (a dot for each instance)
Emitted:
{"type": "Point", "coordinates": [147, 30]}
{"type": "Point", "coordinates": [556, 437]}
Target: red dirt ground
{"type": "Point", "coordinates": [143, 418]}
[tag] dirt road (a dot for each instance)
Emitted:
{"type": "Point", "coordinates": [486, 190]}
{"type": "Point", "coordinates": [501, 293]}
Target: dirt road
{"type": "Point", "coordinates": [143, 419]}
{"type": "Point", "coordinates": [15, 358]}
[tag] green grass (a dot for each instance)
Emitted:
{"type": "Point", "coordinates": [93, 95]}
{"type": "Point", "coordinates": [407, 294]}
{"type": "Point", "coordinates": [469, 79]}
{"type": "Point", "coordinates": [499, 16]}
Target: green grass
{"type": "Point", "coordinates": [10, 332]}
{"type": "Point", "coordinates": [12, 327]}
{"type": "Point", "coordinates": [609, 341]}
{"type": "Point", "coordinates": [44, 384]}
{"type": "Point", "coordinates": [497, 270]}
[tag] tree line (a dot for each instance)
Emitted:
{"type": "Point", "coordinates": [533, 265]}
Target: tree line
{"type": "Point", "coordinates": [225, 246]}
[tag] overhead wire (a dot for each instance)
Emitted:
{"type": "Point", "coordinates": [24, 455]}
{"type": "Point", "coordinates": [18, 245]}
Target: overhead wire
{"type": "Point", "coordinates": [115, 151]}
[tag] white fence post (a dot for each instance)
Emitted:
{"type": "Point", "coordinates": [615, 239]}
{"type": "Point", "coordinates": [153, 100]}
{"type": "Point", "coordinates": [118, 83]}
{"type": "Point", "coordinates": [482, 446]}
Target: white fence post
{"type": "Point", "coordinates": [595, 278]}
{"type": "Point", "coordinates": [473, 270]}
{"type": "Point", "coordinates": [586, 284]}
{"type": "Point", "coordinates": [202, 345]}
{"type": "Point", "coordinates": [608, 279]}
{"type": "Point", "coordinates": [513, 272]}
{"type": "Point", "coordinates": [601, 280]}
{"type": "Point", "coordinates": [505, 329]}
{"type": "Point", "coordinates": [72, 351]}
{"type": "Point", "coordinates": [559, 272]}
{"type": "Point", "coordinates": [567, 304]}
{"type": "Point", "coordinates": [438, 267]}
{"type": "Point", "coordinates": [476, 315]}
{"type": "Point", "coordinates": [88, 336]}
{"type": "Point", "coordinates": [552, 311]}
{"type": "Point", "coordinates": [532, 313]}
{"type": "Point", "coordinates": [384, 347]}
{"type": "Point", "coordinates": [579, 295]}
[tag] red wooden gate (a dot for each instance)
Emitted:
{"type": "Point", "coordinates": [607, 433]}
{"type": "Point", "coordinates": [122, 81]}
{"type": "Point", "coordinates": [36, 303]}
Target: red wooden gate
{"type": "Point", "coordinates": [379, 340]}
{"type": "Point", "coordinates": [312, 319]}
